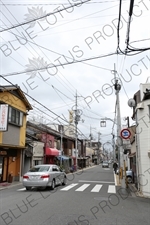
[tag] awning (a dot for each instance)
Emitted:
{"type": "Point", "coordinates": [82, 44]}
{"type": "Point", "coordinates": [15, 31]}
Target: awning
{"type": "Point", "coordinates": [132, 154]}
{"type": "Point", "coordinates": [52, 151]}
{"type": "Point", "coordinates": [63, 157]}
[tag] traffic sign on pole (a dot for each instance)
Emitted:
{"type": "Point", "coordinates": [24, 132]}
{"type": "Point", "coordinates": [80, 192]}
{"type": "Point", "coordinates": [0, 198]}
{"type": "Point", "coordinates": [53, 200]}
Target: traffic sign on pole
{"type": "Point", "coordinates": [125, 133]}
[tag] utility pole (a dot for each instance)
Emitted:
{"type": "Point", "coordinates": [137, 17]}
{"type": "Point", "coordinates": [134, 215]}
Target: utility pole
{"type": "Point", "coordinates": [117, 87]}
{"type": "Point", "coordinates": [76, 131]}
{"type": "Point", "coordinates": [91, 137]}
{"type": "Point", "coordinates": [78, 113]}
{"type": "Point", "coordinates": [61, 148]}
{"type": "Point", "coordinates": [113, 145]}
{"type": "Point", "coordinates": [98, 155]}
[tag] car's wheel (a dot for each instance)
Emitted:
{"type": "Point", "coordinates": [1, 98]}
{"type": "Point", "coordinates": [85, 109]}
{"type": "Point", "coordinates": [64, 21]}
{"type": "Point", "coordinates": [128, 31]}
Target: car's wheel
{"type": "Point", "coordinates": [53, 185]}
{"type": "Point", "coordinates": [129, 179]}
{"type": "Point", "coordinates": [64, 181]}
{"type": "Point", "coordinates": [28, 188]}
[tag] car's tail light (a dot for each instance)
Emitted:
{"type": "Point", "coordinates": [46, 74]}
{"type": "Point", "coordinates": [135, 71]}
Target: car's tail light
{"type": "Point", "coordinates": [45, 176]}
{"type": "Point", "coordinates": [25, 177]}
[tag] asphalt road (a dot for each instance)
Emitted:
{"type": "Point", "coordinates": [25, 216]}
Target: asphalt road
{"type": "Point", "coordinates": [89, 198]}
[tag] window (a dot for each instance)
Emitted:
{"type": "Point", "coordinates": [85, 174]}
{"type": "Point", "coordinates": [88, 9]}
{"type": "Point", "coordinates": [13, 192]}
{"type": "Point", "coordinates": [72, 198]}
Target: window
{"type": "Point", "coordinates": [55, 169]}
{"type": "Point", "coordinates": [15, 116]}
{"type": "Point", "coordinates": [36, 162]}
{"type": "Point", "coordinates": [39, 169]}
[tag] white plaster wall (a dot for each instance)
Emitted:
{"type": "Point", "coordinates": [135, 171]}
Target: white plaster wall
{"type": "Point", "coordinates": [143, 138]}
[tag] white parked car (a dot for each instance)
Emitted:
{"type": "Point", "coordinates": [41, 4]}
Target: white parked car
{"type": "Point", "coordinates": [42, 176]}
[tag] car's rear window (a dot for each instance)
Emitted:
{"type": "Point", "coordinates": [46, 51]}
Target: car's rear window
{"type": "Point", "coordinates": [39, 169]}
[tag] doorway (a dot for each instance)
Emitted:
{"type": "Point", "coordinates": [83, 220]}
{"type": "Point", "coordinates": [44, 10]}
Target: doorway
{"type": "Point", "coordinates": [3, 168]}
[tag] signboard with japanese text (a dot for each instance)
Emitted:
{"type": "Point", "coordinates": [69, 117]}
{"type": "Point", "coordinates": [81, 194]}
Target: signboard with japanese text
{"type": "Point", "coordinates": [3, 117]}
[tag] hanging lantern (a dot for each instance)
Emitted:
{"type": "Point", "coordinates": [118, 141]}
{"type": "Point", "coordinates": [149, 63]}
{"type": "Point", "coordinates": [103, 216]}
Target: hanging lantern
{"type": "Point", "coordinates": [103, 123]}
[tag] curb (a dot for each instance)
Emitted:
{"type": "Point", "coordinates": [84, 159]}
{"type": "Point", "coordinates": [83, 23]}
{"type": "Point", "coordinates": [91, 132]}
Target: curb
{"type": "Point", "coordinates": [10, 186]}
{"type": "Point", "coordinates": [117, 180]}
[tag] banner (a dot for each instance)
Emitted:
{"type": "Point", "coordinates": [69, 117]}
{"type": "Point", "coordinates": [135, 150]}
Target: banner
{"type": "Point", "coordinates": [3, 117]}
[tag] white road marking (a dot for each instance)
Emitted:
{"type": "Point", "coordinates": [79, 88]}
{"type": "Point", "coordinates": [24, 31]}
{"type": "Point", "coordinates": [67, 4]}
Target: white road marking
{"type": "Point", "coordinates": [21, 189]}
{"type": "Point", "coordinates": [115, 178]}
{"type": "Point", "coordinates": [111, 189]}
{"type": "Point", "coordinates": [68, 187]}
{"type": "Point", "coordinates": [96, 188]}
{"type": "Point", "coordinates": [83, 187]}
{"type": "Point", "coordinates": [96, 181]}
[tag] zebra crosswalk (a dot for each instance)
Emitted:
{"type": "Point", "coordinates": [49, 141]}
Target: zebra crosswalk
{"type": "Point", "coordinates": [89, 187]}
{"type": "Point", "coordinates": [111, 189]}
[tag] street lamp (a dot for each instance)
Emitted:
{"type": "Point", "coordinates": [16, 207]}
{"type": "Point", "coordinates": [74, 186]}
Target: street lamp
{"type": "Point", "coordinates": [103, 123]}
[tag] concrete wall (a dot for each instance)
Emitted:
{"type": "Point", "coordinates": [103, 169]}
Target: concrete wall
{"type": "Point", "coordinates": [12, 136]}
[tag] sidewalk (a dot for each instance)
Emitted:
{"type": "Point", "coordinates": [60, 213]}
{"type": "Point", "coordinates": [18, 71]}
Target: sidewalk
{"type": "Point", "coordinates": [136, 192]}
{"type": "Point", "coordinates": [132, 188]}
{"type": "Point", "coordinates": [7, 185]}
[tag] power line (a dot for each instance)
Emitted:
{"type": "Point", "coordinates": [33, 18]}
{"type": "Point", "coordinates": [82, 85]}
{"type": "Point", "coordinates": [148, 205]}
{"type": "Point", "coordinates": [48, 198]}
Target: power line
{"type": "Point", "coordinates": [42, 17]}
{"type": "Point", "coordinates": [40, 104]}
{"type": "Point", "coordinates": [23, 4]}
{"type": "Point", "coordinates": [58, 65]}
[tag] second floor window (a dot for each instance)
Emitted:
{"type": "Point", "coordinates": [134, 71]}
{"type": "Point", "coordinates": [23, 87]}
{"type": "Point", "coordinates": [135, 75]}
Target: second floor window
{"type": "Point", "coordinates": [15, 116]}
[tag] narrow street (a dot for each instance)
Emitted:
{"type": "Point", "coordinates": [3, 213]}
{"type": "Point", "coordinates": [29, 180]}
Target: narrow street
{"type": "Point", "coordinates": [90, 197]}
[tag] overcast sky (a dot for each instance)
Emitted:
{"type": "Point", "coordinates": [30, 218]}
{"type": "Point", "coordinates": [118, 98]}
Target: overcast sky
{"type": "Point", "coordinates": [72, 34]}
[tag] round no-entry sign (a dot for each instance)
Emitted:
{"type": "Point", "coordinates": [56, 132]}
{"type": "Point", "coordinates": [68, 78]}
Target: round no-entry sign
{"type": "Point", "coordinates": [125, 134]}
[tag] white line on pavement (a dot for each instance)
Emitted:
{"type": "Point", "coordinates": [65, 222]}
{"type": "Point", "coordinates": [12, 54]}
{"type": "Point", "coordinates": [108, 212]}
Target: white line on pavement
{"type": "Point", "coordinates": [96, 188]}
{"type": "Point", "coordinates": [68, 187]}
{"type": "Point", "coordinates": [83, 187]}
{"type": "Point", "coordinates": [95, 181]}
{"type": "Point", "coordinates": [21, 189]}
{"type": "Point", "coordinates": [115, 178]}
{"type": "Point", "coordinates": [111, 189]}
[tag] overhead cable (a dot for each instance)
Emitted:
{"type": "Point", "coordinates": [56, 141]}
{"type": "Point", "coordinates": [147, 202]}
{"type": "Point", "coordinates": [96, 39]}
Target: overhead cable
{"type": "Point", "coordinates": [42, 17]}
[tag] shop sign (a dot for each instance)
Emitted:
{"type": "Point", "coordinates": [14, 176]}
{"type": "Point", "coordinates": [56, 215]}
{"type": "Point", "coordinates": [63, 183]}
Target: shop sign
{"type": "Point", "coordinates": [3, 117]}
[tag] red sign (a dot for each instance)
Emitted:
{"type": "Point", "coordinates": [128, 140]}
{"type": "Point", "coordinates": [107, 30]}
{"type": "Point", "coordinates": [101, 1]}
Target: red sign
{"type": "Point", "coordinates": [125, 133]}
{"type": "Point", "coordinates": [48, 140]}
